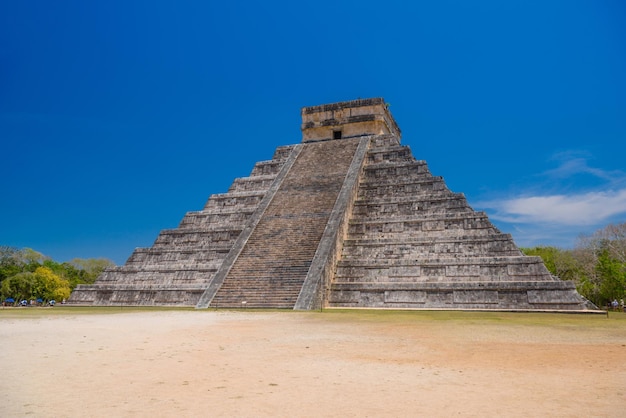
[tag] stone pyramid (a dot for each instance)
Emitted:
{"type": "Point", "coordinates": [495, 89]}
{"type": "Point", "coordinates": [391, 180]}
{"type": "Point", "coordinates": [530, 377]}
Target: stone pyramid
{"type": "Point", "coordinates": [346, 218]}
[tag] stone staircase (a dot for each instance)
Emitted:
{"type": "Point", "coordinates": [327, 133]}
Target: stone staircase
{"type": "Point", "coordinates": [181, 263]}
{"type": "Point", "coordinates": [272, 266]}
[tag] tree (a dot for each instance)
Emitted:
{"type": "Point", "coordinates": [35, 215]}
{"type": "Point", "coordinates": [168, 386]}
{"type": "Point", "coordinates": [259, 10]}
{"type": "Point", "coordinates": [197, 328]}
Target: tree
{"type": "Point", "coordinates": [547, 254]}
{"type": "Point", "coordinates": [49, 285]}
{"type": "Point", "coordinates": [613, 239]}
{"type": "Point", "coordinates": [602, 256]}
{"type": "Point", "coordinates": [597, 265]}
{"type": "Point", "coordinates": [612, 283]}
{"type": "Point", "coordinates": [14, 262]}
{"type": "Point", "coordinates": [587, 279]}
{"type": "Point", "coordinates": [32, 259]}
{"type": "Point", "coordinates": [10, 263]}
{"type": "Point", "coordinates": [92, 267]}
{"type": "Point", "coordinates": [561, 263]}
{"type": "Point", "coordinates": [19, 286]}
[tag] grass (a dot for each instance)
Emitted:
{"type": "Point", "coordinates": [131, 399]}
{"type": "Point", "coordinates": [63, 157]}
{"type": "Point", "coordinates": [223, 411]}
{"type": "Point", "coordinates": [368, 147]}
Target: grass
{"type": "Point", "coordinates": [35, 312]}
{"type": "Point", "coordinates": [482, 316]}
{"type": "Point", "coordinates": [616, 320]}
{"type": "Point", "coordinates": [611, 327]}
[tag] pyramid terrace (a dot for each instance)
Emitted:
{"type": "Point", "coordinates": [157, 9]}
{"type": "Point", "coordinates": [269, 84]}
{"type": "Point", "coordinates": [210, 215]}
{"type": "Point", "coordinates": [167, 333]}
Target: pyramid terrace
{"type": "Point", "coordinates": [372, 229]}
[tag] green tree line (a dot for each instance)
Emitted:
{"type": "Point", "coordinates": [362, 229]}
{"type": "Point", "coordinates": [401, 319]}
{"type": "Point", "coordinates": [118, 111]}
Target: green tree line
{"type": "Point", "coordinates": [597, 264]}
{"type": "Point", "coordinates": [30, 275]}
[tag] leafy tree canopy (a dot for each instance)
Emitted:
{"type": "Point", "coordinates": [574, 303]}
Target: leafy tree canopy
{"type": "Point", "coordinates": [28, 274]}
{"type": "Point", "coordinates": [597, 265]}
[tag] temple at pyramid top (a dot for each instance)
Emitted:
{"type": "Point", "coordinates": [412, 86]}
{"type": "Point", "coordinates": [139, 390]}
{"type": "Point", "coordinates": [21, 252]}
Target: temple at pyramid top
{"type": "Point", "coordinates": [372, 229]}
{"type": "Point", "coordinates": [347, 120]}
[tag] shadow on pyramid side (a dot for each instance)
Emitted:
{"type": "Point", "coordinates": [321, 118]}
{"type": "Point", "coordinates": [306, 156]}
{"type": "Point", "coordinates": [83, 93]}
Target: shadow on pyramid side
{"type": "Point", "coordinates": [347, 218]}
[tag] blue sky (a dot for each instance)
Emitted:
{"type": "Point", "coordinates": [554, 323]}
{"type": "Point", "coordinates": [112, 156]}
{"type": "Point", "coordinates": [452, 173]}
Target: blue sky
{"type": "Point", "coordinates": [118, 117]}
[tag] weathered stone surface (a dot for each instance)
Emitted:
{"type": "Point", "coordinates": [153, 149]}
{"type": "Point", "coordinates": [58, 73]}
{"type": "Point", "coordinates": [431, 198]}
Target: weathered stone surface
{"type": "Point", "coordinates": [347, 218]}
{"type": "Point", "coordinates": [347, 120]}
{"type": "Point", "coordinates": [271, 268]}
{"type": "Point", "coordinates": [182, 262]}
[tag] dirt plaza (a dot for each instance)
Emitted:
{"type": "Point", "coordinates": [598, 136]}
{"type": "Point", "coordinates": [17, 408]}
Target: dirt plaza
{"type": "Point", "coordinates": [235, 363]}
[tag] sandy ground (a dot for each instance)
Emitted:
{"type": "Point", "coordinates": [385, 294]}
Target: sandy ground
{"type": "Point", "coordinates": [305, 364]}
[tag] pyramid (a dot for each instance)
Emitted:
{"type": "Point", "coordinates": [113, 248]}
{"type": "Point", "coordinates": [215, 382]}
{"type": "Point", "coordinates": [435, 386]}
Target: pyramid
{"type": "Point", "coordinates": [347, 218]}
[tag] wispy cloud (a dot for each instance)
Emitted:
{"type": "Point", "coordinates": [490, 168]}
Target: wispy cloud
{"type": "Point", "coordinates": [576, 209]}
{"type": "Point", "coordinates": [536, 216]}
{"type": "Point", "coordinates": [575, 163]}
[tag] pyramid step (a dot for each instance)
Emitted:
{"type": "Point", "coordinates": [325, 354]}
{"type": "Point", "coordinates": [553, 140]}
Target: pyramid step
{"type": "Point", "coordinates": [285, 240]}
{"type": "Point", "coordinates": [347, 218]}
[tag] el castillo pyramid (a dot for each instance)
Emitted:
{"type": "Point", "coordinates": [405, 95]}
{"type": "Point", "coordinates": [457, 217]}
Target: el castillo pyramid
{"type": "Point", "coordinates": [346, 218]}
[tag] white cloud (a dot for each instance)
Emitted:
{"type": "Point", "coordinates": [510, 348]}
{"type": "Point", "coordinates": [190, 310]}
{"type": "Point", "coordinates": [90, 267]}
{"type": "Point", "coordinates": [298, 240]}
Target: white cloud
{"type": "Point", "coordinates": [580, 207]}
{"type": "Point", "coordinates": [537, 215]}
{"type": "Point", "coordinates": [590, 208]}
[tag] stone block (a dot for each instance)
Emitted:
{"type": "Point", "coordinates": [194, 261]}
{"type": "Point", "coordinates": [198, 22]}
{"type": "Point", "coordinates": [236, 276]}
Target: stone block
{"type": "Point", "coordinates": [405, 296]}
{"type": "Point", "coordinates": [476, 297]}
